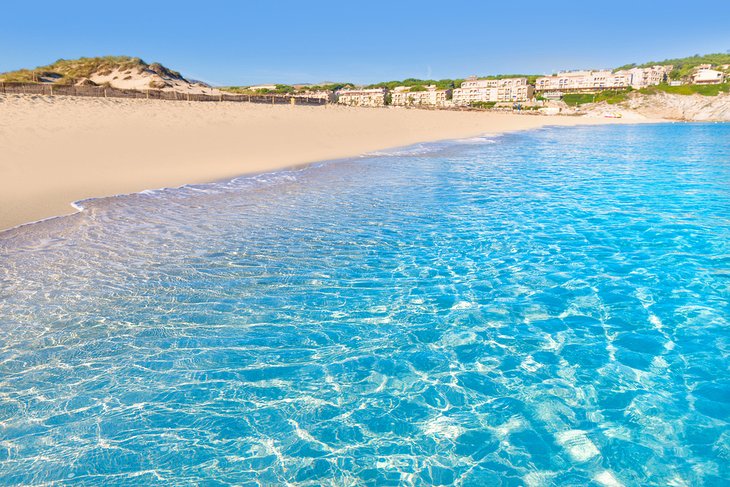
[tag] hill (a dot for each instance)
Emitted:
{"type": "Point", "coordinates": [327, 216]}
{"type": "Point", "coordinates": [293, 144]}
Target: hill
{"type": "Point", "coordinates": [684, 66]}
{"type": "Point", "coordinates": [122, 72]}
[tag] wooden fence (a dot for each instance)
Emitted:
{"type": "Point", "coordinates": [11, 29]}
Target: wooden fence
{"type": "Point", "coordinates": [101, 92]}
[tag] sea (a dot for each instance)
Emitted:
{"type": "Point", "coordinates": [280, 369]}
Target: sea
{"type": "Point", "coordinates": [539, 308]}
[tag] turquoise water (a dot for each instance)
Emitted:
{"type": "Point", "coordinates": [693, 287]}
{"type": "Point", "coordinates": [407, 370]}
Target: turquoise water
{"type": "Point", "coordinates": [540, 308]}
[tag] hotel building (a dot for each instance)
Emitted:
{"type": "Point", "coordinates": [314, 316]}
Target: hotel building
{"type": "Point", "coordinates": [374, 97]}
{"type": "Point", "coordinates": [404, 96]}
{"type": "Point", "coordinates": [492, 90]}
{"type": "Point", "coordinates": [582, 81]}
{"type": "Point", "coordinates": [643, 77]}
{"type": "Point", "coordinates": [707, 76]}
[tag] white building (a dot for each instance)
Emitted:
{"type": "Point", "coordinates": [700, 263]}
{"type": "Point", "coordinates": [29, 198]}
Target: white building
{"type": "Point", "coordinates": [707, 76]}
{"type": "Point", "coordinates": [642, 77]}
{"type": "Point", "coordinates": [492, 90]}
{"type": "Point", "coordinates": [582, 81]}
{"type": "Point", "coordinates": [261, 87]}
{"type": "Point", "coordinates": [374, 97]}
{"type": "Point", "coordinates": [327, 95]}
{"type": "Point", "coordinates": [405, 96]}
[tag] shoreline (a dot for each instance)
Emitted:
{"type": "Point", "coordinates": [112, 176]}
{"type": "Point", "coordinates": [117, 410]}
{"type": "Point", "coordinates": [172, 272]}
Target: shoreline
{"type": "Point", "coordinates": [78, 207]}
{"type": "Point", "coordinates": [61, 151]}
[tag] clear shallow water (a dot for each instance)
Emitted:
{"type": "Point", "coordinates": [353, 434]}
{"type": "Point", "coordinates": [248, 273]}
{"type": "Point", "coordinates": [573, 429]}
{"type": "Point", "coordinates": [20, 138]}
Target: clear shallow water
{"type": "Point", "coordinates": [543, 308]}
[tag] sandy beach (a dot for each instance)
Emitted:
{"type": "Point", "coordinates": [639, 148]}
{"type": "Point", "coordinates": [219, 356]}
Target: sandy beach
{"type": "Point", "coordinates": [57, 150]}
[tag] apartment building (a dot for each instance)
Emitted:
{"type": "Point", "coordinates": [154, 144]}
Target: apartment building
{"type": "Point", "coordinates": [374, 97]}
{"type": "Point", "coordinates": [405, 96]}
{"type": "Point", "coordinates": [643, 77]}
{"type": "Point", "coordinates": [492, 90]}
{"type": "Point", "coordinates": [582, 81]}
{"type": "Point", "coordinates": [706, 76]}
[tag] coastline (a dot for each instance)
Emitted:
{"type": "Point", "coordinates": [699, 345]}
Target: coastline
{"type": "Point", "coordinates": [57, 151]}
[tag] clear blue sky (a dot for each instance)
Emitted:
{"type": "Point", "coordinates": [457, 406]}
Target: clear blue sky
{"type": "Point", "coordinates": [242, 42]}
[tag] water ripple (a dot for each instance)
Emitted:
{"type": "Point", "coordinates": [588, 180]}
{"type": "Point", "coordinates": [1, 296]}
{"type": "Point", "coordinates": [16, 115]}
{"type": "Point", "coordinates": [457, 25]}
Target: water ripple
{"type": "Point", "coordinates": [544, 308]}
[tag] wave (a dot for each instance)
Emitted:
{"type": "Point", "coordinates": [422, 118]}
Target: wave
{"type": "Point", "coordinates": [433, 147]}
{"type": "Point", "coordinates": [216, 187]}
{"type": "Point", "coordinates": [249, 181]}
{"type": "Point", "coordinates": [411, 150]}
{"type": "Point", "coordinates": [480, 139]}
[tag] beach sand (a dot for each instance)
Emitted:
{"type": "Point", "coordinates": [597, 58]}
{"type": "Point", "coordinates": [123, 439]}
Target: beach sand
{"type": "Point", "coordinates": [57, 150]}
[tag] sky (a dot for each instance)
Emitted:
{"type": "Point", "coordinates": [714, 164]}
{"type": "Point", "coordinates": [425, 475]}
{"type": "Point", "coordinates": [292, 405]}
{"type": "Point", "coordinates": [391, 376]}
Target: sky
{"type": "Point", "coordinates": [244, 43]}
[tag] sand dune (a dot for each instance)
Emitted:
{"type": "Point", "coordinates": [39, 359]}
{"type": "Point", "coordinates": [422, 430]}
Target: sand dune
{"type": "Point", "coordinates": [140, 79]}
{"type": "Point", "coordinates": [56, 150]}
{"type": "Point", "coordinates": [121, 72]}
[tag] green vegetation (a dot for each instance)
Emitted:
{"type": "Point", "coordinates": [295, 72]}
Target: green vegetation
{"type": "Point", "coordinates": [285, 89]}
{"type": "Point", "coordinates": [233, 89]}
{"type": "Point", "coordinates": [279, 90]}
{"type": "Point", "coordinates": [706, 90]}
{"type": "Point", "coordinates": [328, 87]}
{"type": "Point", "coordinates": [482, 104]}
{"type": "Point", "coordinates": [71, 71]}
{"type": "Point", "coordinates": [19, 76]}
{"type": "Point", "coordinates": [576, 99]}
{"type": "Point", "coordinates": [611, 97]}
{"type": "Point", "coordinates": [442, 84]}
{"type": "Point", "coordinates": [246, 90]}
{"type": "Point", "coordinates": [531, 78]}
{"type": "Point", "coordinates": [683, 67]}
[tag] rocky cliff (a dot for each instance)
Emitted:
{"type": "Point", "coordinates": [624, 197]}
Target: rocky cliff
{"type": "Point", "coordinates": [668, 106]}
